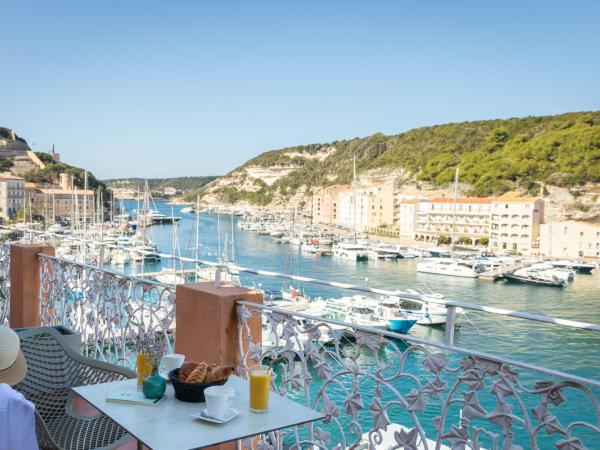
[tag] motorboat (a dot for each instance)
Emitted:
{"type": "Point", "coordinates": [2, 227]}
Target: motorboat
{"type": "Point", "coordinates": [447, 266]}
{"type": "Point", "coordinates": [549, 271]}
{"type": "Point", "coordinates": [382, 251]}
{"type": "Point", "coordinates": [188, 210]}
{"type": "Point", "coordinates": [533, 278]}
{"type": "Point", "coordinates": [577, 266]}
{"type": "Point", "coordinates": [351, 251]}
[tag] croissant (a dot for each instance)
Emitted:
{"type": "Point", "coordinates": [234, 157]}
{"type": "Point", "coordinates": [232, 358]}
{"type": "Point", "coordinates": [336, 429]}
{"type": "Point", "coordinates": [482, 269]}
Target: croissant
{"type": "Point", "coordinates": [186, 369]}
{"type": "Point", "coordinates": [218, 373]}
{"type": "Point", "coordinates": [198, 375]}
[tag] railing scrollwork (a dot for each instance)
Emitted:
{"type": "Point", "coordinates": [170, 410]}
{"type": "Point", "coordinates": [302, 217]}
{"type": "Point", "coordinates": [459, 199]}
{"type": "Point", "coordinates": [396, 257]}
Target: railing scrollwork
{"type": "Point", "coordinates": [109, 309]}
{"type": "Point", "coordinates": [381, 392]}
{"type": "Point", "coordinates": [4, 283]}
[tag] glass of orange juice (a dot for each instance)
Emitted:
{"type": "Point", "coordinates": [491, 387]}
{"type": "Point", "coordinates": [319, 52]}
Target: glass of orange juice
{"type": "Point", "coordinates": [260, 378]}
{"type": "Point", "coordinates": [144, 368]}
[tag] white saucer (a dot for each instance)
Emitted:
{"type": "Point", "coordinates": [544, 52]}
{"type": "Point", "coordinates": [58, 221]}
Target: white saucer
{"type": "Point", "coordinates": [229, 414]}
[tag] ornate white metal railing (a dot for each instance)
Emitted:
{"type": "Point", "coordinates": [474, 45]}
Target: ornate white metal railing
{"type": "Point", "coordinates": [111, 310]}
{"type": "Point", "coordinates": [384, 390]}
{"type": "Point", "coordinates": [4, 283]}
{"type": "Point", "coordinates": [450, 305]}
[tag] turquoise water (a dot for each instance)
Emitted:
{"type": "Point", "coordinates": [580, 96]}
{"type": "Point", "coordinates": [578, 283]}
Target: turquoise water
{"type": "Point", "coordinates": [552, 346]}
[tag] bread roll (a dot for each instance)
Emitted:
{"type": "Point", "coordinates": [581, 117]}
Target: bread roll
{"type": "Point", "coordinates": [198, 375]}
{"type": "Point", "coordinates": [186, 369]}
{"type": "Point", "coordinates": [218, 373]}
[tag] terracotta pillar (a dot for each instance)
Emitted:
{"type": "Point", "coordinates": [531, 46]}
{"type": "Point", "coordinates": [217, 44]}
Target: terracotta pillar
{"type": "Point", "coordinates": [206, 321]}
{"type": "Point", "coordinates": [25, 284]}
{"type": "Point", "coordinates": [207, 325]}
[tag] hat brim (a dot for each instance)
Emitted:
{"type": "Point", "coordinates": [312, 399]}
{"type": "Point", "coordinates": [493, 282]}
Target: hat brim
{"type": "Point", "coordinates": [15, 373]}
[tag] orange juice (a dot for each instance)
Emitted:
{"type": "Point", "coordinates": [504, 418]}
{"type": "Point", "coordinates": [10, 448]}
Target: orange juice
{"type": "Point", "coordinates": [144, 368]}
{"type": "Point", "coordinates": [260, 378]}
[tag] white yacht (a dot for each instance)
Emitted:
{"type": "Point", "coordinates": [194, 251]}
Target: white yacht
{"type": "Point", "coordinates": [381, 250]}
{"type": "Point", "coordinates": [188, 210]}
{"type": "Point", "coordinates": [446, 266]}
{"type": "Point", "coordinates": [577, 266]}
{"type": "Point", "coordinates": [351, 251]}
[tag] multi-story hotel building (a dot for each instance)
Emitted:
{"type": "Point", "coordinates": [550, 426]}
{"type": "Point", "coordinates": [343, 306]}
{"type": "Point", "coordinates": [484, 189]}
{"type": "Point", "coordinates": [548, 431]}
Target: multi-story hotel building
{"type": "Point", "coordinates": [373, 209]}
{"type": "Point", "coordinates": [374, 200]}
{"type": "Point", "coordinates": [326, 207]}
{"type": "Point", "coordinates": [12, 195]}
{"type": "Point", "coordinates": [515, 223]}
{"type": "Point", "coordinates": [406, 218]}
{"type": "Point", "coordinates": [570, 239]}
{"type": "Point", "coordinates": [469, 216]}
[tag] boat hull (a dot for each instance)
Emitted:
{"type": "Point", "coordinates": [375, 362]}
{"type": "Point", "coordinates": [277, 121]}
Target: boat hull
{"type": "Point", "coordinates": [401, 326]}
{"type": "Point", "coordinates": [533, 281]}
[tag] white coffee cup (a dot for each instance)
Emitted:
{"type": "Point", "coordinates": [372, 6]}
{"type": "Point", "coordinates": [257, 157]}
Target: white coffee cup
{"type": "Point", "coordinates": [218, 400]}
{"type": "Point", "coordinates": [172, 361]}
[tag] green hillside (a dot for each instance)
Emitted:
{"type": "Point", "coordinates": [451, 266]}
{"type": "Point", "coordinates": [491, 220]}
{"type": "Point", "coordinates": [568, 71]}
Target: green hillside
{"type": "Point", "coordinates": [493, 155]}
{"type": "Point", "coordinates": [183, 184]}
{"type": "Point", "coordinates": [53, 169]}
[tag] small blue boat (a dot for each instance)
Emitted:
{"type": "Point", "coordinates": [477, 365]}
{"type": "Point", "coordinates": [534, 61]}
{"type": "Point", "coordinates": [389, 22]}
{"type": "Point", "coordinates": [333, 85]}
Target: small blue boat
{"type": "Point", "coordinates": [401, 325]}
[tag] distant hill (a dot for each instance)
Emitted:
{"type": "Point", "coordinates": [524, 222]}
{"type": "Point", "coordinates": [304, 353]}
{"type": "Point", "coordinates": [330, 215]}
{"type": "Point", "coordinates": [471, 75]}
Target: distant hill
{"type": "Point", "coordinates": [493, 155]}
{"type": "Point", "coordinates": [182, 184]}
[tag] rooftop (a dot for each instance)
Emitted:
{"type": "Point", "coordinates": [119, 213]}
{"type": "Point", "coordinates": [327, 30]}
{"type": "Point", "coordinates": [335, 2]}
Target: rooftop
{"type": "Point", "coordinates": [514, 197]}
{"type": "Point", "coordinates": [474, 200]}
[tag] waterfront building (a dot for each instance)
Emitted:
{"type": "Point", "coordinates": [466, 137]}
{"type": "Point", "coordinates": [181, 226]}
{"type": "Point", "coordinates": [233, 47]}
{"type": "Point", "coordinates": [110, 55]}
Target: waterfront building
{"type": "Point", "coordinates": [407, 218]}
{"type": "Point", "coordinates": [515, 223]}
{"type": "Point", "coordinates": [326, 204]}
{"type": "Point", "coordinates": [63, 200]}
{"type": "Point", "coordinates": [368, 207]}
{"type": "Point", "coordinates": [570, 239]}
{"type": "Point", "coordinates": [470, 217]}
{"type": "Point", "coordinates": [12, 195]}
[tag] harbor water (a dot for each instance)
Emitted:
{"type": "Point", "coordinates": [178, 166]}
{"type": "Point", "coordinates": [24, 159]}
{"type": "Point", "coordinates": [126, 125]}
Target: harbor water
{"type": "Point", "coordinates": [552, 346]}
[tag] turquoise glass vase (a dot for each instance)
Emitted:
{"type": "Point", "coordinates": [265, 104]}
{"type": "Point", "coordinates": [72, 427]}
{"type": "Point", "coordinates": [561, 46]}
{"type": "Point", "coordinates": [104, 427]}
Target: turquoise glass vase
{"type": "Point", "coordinates": [154, 385]}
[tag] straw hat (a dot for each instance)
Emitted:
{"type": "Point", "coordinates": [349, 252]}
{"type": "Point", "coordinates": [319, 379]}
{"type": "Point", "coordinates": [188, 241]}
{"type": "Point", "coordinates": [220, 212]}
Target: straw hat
{"type": "Point", "coordinates": [12, 362]}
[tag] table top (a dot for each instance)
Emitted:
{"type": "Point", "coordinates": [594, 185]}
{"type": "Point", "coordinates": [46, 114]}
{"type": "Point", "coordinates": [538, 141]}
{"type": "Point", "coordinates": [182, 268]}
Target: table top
{"type": "Point", "coordinates": [170, 425]}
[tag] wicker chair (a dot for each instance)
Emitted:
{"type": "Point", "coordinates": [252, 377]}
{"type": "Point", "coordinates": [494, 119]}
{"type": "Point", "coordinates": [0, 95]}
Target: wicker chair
{"type": "Point", "coordinates": [52, 370]}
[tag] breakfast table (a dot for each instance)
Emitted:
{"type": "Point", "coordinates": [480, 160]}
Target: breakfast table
{"type": "Point", "coordinates": [169, 424]}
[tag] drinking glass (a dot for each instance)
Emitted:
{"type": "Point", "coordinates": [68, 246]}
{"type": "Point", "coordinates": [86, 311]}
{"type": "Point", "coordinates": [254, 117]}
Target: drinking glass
{"type": "Point", "coordinates": [260, 378]}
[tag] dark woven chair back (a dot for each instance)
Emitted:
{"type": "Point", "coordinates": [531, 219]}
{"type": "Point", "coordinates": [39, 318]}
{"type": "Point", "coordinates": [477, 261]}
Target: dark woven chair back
{"type": "Point", "coordinates": [52, 370]}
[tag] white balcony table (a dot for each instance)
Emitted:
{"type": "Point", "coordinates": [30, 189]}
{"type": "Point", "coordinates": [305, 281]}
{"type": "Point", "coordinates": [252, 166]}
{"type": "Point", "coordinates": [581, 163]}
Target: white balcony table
{"type": "Point", "coordinates": [170, 425]}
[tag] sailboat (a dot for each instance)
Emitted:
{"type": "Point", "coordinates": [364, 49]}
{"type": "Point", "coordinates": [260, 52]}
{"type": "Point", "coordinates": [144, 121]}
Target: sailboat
{"type": "Point", "coordinates": [449, 266]}
{"type": "Point", "coordinates": [351, 250]}
{"type": "Point", "coordinates": [170, 276]}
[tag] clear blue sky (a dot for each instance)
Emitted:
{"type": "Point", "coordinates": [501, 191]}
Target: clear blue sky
{"type": "Point", "coordinates": [141, 88]}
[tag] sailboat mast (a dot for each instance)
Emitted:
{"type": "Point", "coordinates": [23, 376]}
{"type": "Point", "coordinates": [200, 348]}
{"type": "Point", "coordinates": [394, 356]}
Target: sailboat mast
{"type": "Point", "coordinates": [219, 233]}
{"type": "Point", "coordinates": [53, 206]}
{"type": "Point", "coordinates": [354, 195]}
{"type": "Point", "coordinates": [232, 239]}
{"type": "Point", "coordinates": [197, 251]}
{"type": "Point", "coordinates": [85, 187]}
{"type": "Point", "coordinates": [454, 209]}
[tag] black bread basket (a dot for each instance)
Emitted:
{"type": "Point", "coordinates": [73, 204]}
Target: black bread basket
{"type": "Point", "coordinates": [190, 392]}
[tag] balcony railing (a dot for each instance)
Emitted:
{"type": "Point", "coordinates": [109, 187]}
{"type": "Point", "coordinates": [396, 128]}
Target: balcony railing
{"type": "Point", "coordinates": [375, 386]}
{"type": "Point", "coordinates": [111, 310]}
{"type": "Point", "coordinates": [384, 390]}
{"type": "Point", "coordinates": [4, 283]}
